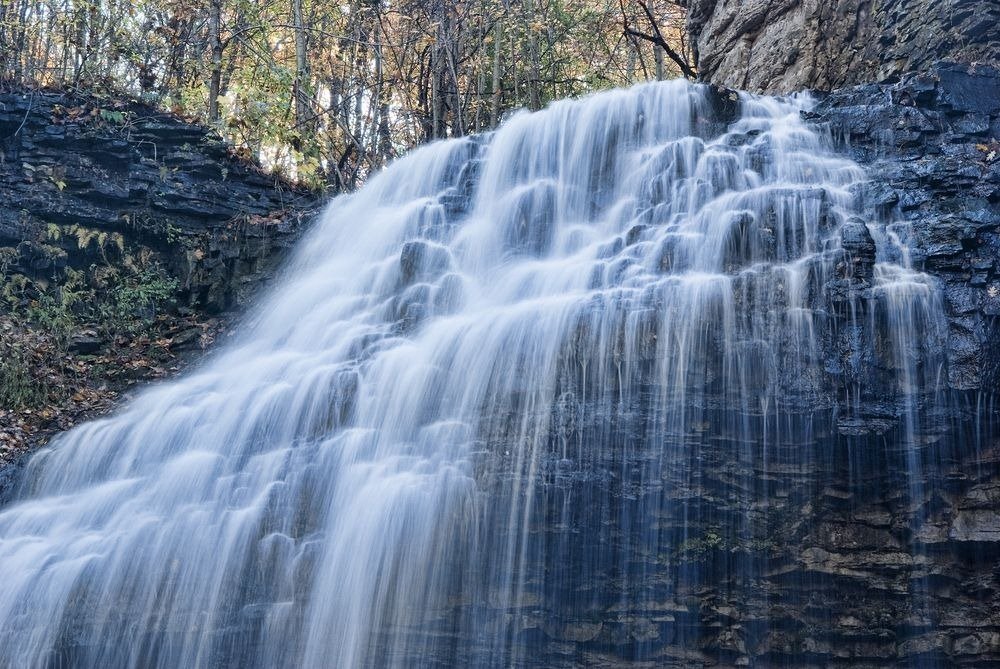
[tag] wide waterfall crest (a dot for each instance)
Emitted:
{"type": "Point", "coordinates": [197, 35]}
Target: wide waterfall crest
{"type": "Point", "coordinates": [532, 328]}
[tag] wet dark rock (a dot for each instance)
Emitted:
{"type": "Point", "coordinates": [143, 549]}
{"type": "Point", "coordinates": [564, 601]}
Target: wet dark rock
{"type": "Point", "coordinates": [846, 542]}
{"type": "Point", "coordinates": [85, 344]}
{"type": "Point", "coordinates": [725, 107]}
{"type": "Point", "coordinates": [976, 525]}
{"type": "Point", "coordinates": [420, 261]}
{"type": "Point", "coordinates": [941, 182]}
{"type": "Point", "coordinates": [961, 90]}
{"type": "Point", "coordinates": [834, 554]}
{"type": "Point", "coordinates": [161, 185]}
{"type": "Point", "coordinates": [187, 339]}
{"type": "Point", "coordinates": [856, 239]}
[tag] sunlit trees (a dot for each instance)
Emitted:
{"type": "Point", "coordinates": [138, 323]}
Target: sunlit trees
{"type": "Point", "coordinates": [328, 92]}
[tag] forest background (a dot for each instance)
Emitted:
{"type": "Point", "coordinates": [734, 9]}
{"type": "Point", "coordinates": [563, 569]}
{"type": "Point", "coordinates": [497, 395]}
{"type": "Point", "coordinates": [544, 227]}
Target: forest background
{"type": "Point", "coordinates": [326, 93]}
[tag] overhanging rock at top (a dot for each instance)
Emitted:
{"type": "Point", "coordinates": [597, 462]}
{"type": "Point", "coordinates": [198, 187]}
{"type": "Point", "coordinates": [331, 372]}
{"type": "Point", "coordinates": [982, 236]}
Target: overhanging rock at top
{"type": "Point", "coordinates": [779, 46]}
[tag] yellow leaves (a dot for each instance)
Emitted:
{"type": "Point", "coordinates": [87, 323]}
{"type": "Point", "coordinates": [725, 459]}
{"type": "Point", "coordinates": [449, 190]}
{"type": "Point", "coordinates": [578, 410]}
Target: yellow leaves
{"type": "Point", "coordinates": [992, 150]}
{"type": "Point", "coordinates": [366, 54]}
{"type": "Point", "coordinates": [425, 41]}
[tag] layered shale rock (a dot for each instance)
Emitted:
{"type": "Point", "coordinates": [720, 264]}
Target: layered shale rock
{"type": "Point", "coordinates": [127, 238]}
{"type": "Point", "coordinates": [85, 178]}
{"type": "Point", "coordinates": [851, 533]}
{"type": "Point", "coordinates": [931, 145]}
{"type": "Point", "coordinates": [855, 560]}
{"type": "Point", "coordinates": [848, 519]}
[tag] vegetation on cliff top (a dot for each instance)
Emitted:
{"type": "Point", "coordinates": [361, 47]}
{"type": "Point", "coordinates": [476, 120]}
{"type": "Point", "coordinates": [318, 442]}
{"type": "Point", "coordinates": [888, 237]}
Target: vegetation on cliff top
{"type": "Point", "coordinates": [124, 233]}
{"type": "Point", "coordinates": [329, 92]}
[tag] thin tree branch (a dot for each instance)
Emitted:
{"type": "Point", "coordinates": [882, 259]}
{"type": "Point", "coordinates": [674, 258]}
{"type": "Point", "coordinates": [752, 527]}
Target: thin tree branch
{"type": "Point", "coordinates": [656, 38]}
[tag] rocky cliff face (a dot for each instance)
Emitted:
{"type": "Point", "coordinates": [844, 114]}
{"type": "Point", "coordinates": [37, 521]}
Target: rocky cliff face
{"type": "Point", "coordinates": [785, 45]}
{"type": "Point", "coordinates": [862, 565]}
{"type": "Point", "coordinates": [931, 145]}
{"type": "Point", "coordinates": [126, 237]}
{"type": "Point", "coordinates": [73, 168]}
{"type": "Point", "coordinates": [853, 561]}
{"type": "Point", "coordinates": [843, 533]}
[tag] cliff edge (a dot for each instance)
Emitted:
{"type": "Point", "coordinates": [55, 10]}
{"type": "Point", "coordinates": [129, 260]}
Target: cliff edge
{"type": "Point", "coordinates": [128, 238]}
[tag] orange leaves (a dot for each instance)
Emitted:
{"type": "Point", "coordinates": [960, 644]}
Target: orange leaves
{"type": "Point", "coordinates": [70, 388]}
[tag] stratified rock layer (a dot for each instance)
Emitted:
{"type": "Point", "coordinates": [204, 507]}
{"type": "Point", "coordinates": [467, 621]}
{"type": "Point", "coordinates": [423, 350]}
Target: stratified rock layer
{"type": "Point", "coordinates": [785, 45]}
{"type": "Point", "coordinates": [103, 204]}
{"type": "Point", "coordinates": [849, 542]}
{"type": "Point", "coordinates": [73, 167]}
{"type": "Point", "coordinates": [931, 145]}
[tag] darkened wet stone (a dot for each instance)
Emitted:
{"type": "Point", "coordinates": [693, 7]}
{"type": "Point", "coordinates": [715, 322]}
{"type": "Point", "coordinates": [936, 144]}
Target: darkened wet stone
{"type": "Point", "coordinates": [218, 224]}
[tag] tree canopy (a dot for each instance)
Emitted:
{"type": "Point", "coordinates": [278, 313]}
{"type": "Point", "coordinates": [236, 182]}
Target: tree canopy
{"type": "Point", "coordinates": [327, 92]}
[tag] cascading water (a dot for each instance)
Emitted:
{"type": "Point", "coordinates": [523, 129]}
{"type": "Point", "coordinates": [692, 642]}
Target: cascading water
{"type": "Point", "coordinates": [478, 419]}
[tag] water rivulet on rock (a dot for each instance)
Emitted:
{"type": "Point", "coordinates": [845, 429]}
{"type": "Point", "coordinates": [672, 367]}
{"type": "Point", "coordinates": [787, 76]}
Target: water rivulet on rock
{"type": "Point", "coordinates": [559, 395]}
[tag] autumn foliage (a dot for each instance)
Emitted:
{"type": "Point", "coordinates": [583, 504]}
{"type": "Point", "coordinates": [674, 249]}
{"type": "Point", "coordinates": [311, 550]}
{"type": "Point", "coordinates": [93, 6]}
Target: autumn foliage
{"type": "Point", "coordinates": [328, 92]}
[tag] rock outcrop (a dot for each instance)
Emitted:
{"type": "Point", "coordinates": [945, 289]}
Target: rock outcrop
{"type": "Point", "coordinates": [779, 46]}
{"type": "Point", "coordinates": [127, 238]}
{"type": "Point", "coordinates": [73, 168]}
{"type": "Point", "coordinates": [841, 549]}
{"type": "Point", "coordinates": [931, 145]}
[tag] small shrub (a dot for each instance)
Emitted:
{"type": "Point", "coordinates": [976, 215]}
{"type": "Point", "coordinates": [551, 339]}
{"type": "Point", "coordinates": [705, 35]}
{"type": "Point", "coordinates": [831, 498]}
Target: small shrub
{"type": "Point", "coordinates": [135, 299]}
{"type": "Point", "coordinates": [18, 388]}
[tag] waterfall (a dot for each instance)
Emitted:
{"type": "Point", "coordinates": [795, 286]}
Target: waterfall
{"type": "Point", "coordinates": [485, 410]}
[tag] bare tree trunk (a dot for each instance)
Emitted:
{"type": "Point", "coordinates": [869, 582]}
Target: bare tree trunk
{"type": "Point", "coordinates": [495, 109]}
{"type": "Point", "coordinates": [96, 46]}
{"type": "Point", "coordinates": [481, 64]}
{"type": "Point", "coordinates": [65, 39]}
{"type": "Point", "coordinates": [438, 65]}
{"type": "Point", "coordinates": [215, 76]}
{"type": "Point", "coordinates": [480, 97]}
{"type": "Point", "coordinates": [20, 41]}
{"type": "Point", "coordinates": [631, 62]}
{"type": "Point", "coordinates": [46, 50]}
{"type": "Point", "coordinates": [656, 37]}
{"type": "Point", "coordinates": [551, 41]}
{"type": "Point", "coordinates": [534, 67]}
{"type": "Point", "coordinates": [360, 40]}
{"type": "Point", "coordinates": [455, 47]}
{"type": "Point", "coordinates": [381, 140]}
{"type": "Point", "coordinates": [6, 44]}
{"type": "Point", "coordinates": [513, 70]}
{"type": "Point", "coordinates": [87, 20]}
{"type": "Point", "coordinates": [300, 87]}
{"type": "Point", "coordinates": [437, 95]}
